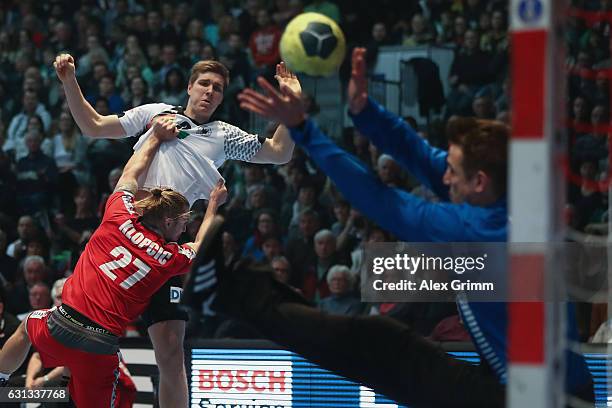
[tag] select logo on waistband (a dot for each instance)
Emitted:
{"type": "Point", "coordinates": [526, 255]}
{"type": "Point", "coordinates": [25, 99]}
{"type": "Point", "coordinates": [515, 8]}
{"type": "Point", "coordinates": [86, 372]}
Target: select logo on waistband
{"type": "Point", "coordinates": [175, 294]}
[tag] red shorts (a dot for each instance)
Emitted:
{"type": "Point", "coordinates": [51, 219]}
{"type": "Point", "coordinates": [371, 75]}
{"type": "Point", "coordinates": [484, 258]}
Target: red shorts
{"type": "Point", "coordinates": [94, 377]}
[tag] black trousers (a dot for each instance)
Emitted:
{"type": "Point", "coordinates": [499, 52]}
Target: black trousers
{"type": "Point", "coordinates": [376, 351]}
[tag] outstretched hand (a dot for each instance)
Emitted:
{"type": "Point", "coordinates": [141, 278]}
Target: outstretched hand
{"type": "Point", "coordinates": [287, 79]}
{"type": "Point", "coordinates": [358, 85]}
{"type": "Point", "coordinates": [285, 106]}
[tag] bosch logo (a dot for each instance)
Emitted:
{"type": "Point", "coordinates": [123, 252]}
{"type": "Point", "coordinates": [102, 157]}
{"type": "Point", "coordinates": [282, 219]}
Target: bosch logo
{"type": "Point", "coordinates": [257, 381]}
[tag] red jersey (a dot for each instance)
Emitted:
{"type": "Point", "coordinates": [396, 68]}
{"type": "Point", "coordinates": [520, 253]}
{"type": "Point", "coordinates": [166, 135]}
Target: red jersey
{"type": "Point", "coordinates": [122, 266]}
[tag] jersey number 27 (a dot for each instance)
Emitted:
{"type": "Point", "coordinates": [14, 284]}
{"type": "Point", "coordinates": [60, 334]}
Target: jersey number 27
{"type": "Point", "coordinates": [124, 258]}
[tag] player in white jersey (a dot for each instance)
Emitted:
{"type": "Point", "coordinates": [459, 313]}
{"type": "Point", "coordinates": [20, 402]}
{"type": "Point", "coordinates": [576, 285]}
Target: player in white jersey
{"type": "Point", "coordinates": [195, 156]}
{"type": "Point", "coordinates": [188, 165]}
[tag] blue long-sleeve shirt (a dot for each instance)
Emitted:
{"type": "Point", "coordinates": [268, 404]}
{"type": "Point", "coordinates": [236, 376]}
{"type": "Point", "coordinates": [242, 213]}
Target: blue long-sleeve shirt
{"type": "Point", "coordinates": [413, 219]}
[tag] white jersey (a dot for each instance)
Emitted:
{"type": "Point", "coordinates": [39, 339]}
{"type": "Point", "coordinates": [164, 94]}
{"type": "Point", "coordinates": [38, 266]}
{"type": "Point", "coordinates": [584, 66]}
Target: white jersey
{"type": "Point", "coordinates": [188, 164]}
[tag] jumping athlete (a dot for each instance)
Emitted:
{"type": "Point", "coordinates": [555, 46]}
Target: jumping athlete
{"type": "Point", "coordinates": [128, 258]}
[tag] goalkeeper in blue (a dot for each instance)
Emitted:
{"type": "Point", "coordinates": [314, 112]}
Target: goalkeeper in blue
{"type": "Point", "coordinates": [470, 179]}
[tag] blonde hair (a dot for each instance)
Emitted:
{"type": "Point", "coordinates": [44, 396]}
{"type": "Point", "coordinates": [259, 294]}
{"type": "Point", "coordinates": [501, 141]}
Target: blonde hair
{"type": "Point", "coordinates": [162, 203]}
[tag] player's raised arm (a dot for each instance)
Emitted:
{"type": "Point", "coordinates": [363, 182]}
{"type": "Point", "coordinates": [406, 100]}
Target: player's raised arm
{"type": "Point", "coordinates": [210, 221]}
{"type": "Point", "coordinates": [279, 149]}
{"type": "Point", "coordinates": [164, 129]}
{"type": "Point", "coordinates": [89, 121]}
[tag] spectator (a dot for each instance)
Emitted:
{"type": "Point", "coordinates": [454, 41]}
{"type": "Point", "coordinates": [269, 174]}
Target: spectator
{"type": "Point", "coordinates": [106, 90]}
{"type": "Point", "coordinates": [36, 376]}
{"type": "Point", "coordinates": [580, 115]}
{"type": "Point", "coordinates": [472, 10]}
{"type": "Point", "coordinates": [231, 251]}
{"type": "Point", "coordinates": [592, 146]}
{"type": "Point", "coordinates": [228, 26]}
{"type": "Point", "coordinates": [92, 82]}
{"type": "Point", "coordinates": [264, 44]}
{"type": "Point", "coordinates": [75, 231]}
{"type": "Point", "coordinates": [281, 269]}
{"type": "Point", "coordinates": [378, 37]}
{"type": "Point", "coordinates": [327, 8]}
{"type": "Point", "coordinates": [173, 91]}
{"type": "Point", "coordinates": [586, 199]}
{"type": "Point", "coordinates": [39, 297]}
{"type": "Point", "coordinates": [56, 291]}
{"type": "Point", "coordinates": [139, 93]}
{"type": "Point", "coordinates": [34, 271]}
{"type": "Point", "coordinates": [341, 299]}
{"type": "Point", "coordinates": [495, 40]}
{"type": "Point", "coordinates": [282, 12]}
{"type": "Point", "coordinates": [459, 31]}
{"type": "Point", "coordinates": [445, 29]}
{"type": "Point", "coordinates": [375, 234]}
{"type": "Point", "coordinates": [314, 284]}
{"type": "Point", "coordinates": [601, 91]}
{"type": "Point", "coordinates": [247, 20]}
{"type": "Point", "coordinates": [300, 249]}
{"type": "Point", "coordinates": [8, 322]}
{"type": "Point", "coordinates": [502, 103]}
{"type": "Point", "coordinates": [468, 74]}
{"type": "Point", "coordinates": [483, 107]}
{"type": "Point", "coordinates": [193, 51]}
{"type": "Point", "coordinates": [37, 175]}
{"type": "Point", "coordinates": [35, 123]}
{"type": "Point", "coordinates": [389, 172]}
{"type": "Point", "coordinates": [272, 247]}
{"type": "Point", "coordinates": [19, 123]}
{"type": "Point", "coordinates": [265, 226]}
{"type": "Point", "coordinates": [69, 150]}
{"type": "Point", "coordinates": [95, 53]}
{"type": "Point", "coordinates": [160, 31]}
{"type": "Point", "coordinates": [62, 40]}
{"type": "Point", "coordinates": [26, 230]}
{"type": "Point", "coordinates": [348, 236]}
{"type": "Point", "coordinates": [8, 264]}
{"type": "Point", "coordinates": [419, 32]}
{"type": "Point", "coordinates": [169, 60]}
{"type": "Point", "coordinates": [257, 198]}
{"type": "Point", "coordinates": [113, 178]}
{"type": "Point", "coordinates": [38, 246]}
{"type": "Point", "coordinates": [307, 199]}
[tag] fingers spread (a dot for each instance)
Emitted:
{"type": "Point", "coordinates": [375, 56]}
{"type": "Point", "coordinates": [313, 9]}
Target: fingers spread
{"type": "Point", "coordinates": [255, 96]}
{"type": "Point", "coordinates": [255, 108]}
{"type": "Point", "coordinates": [268, 88]}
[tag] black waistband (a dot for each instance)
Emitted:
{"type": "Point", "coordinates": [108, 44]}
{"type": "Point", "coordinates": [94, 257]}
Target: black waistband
{"type": "Point", "coordinates": [80, 320]}
{"type": "Point", "coordinates": [74, 330]}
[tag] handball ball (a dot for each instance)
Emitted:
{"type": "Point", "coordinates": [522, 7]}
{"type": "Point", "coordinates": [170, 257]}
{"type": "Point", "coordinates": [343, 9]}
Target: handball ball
{"type": "Point", "coordinates": [313, 44]}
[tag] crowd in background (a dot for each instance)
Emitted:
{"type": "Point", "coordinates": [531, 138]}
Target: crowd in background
{"type": "Point", "coordinates": [587, 40]}
{"type": "Point", "coordinates": [54, 180]}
